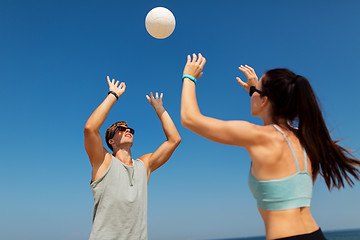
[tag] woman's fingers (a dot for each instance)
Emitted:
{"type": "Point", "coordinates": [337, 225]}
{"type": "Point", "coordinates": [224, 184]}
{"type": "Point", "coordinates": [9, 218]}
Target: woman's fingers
{"type": "Point", "coordinates": [200, 59]}
{"type": "Point", "coordinates": [194, 58]}
{"type": "Point", "coordinates": [240, 81]}
{"type": "Point", "coordinates": [245, 70]}
{"type": "Point", "coordinates": [242, 68]}
{"type": "Point", "coordinates": [148, 98]}
{"type": "Point", "coordinates": [203, 61]}
{"type": "Point", "coordinates": [243, 84]}
{"type": "Point", "coordinates": [249, 72]}
{"type": "Point", "coordinates": [250, 68]}
{"type": "Point", "coordinates": [156, 95]}
{"type": "Point", "coordinates": [161, 95]}
{"type": "Point", "coordinates": [194, 65]}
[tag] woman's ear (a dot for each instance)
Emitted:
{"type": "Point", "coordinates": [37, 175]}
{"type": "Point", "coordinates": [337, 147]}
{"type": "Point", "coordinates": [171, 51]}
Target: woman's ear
{"type": "Point", "coordinates": [264, 101]}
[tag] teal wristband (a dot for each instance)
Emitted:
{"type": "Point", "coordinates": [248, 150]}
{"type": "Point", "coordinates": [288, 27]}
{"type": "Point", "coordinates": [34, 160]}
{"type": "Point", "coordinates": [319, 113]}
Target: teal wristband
{"type": "Point", "coordinates": [189, 77]}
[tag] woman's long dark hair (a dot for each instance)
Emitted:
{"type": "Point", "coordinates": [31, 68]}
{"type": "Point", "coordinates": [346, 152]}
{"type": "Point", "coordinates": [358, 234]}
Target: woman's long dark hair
{"type": "Point", "coordinates": [293, 99]}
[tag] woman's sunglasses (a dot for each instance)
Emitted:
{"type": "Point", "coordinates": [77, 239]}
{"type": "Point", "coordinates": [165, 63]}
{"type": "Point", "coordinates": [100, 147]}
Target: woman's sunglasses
{"type": "Point", "coordinates": [253, 89]}
{"type": "Point", "coordinates": [121, 129]}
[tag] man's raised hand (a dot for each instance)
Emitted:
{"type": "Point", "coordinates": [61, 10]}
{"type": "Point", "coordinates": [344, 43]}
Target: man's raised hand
{"type": "Point", "coordinates": [156, 101]}
{"type": "Point", "coordinates": [115, 87]}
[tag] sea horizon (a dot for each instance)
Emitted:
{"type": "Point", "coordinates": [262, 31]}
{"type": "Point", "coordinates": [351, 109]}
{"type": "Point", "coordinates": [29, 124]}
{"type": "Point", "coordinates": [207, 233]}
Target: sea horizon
{"type": "Point", "coordinates": [342, 234]}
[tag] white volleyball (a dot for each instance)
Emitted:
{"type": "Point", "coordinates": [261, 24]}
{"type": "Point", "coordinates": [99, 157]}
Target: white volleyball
{"type": "Point", "coordinates": [160, 22]}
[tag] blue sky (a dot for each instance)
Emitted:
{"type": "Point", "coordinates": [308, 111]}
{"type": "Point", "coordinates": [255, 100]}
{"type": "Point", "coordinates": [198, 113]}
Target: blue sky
{"type": "Point", "coordinates": [54, 59]}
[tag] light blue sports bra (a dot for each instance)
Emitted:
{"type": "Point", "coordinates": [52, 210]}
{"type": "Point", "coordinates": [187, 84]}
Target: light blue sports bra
{"type": "Point", "coordinates": [291, 192]}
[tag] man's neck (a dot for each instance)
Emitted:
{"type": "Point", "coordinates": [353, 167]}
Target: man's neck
{"type": "Point", "coordinates": [124, 155]}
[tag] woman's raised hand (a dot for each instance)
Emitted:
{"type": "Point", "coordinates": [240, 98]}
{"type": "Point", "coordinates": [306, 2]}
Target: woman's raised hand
{"type": "Point", "coordinates": [251, 76]}
{"type": "Point", "coordinates": [195, 66]}
{"type": "Point", "coordinates": [115, 87]}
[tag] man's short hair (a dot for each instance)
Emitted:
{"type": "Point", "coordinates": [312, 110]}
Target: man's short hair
{"type": "Point", "coordinates": [111, 129]}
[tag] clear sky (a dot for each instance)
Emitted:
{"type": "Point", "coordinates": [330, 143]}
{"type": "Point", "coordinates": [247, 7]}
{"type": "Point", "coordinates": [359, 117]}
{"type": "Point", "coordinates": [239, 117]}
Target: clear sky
{"type": "Point", "coordinates": [54, 59]}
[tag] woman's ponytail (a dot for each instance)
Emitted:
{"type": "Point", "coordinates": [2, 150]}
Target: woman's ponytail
{"type": "Point", "coordinates": [332, 161]}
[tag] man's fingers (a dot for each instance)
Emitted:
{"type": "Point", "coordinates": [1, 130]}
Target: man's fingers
{"type": "Point", "coordinates": [161, 95]}
{"type": "Point", "coordinates": [148, 98]}
{"type": "Point", "coordinates": [157, 95]}
{"type": "Point", "coordinates": [117, 83]}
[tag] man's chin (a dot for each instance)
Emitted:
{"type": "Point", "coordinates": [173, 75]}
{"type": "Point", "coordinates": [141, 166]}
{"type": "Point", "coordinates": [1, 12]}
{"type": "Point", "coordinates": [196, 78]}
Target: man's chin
{"type": "Point", "coordinates": [127, 142]}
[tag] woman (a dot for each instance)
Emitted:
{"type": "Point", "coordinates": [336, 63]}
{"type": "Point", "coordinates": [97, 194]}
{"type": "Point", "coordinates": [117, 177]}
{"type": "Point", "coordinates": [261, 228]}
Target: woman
{"type": "Point", "coordinates": [285, 160]}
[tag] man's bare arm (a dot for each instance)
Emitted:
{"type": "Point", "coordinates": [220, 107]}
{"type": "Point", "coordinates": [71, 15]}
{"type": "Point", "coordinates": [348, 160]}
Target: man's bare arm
{"type": "Point", "coordinates": [93, 142]}
{"type": "Point", "coordinates": [156, 159]}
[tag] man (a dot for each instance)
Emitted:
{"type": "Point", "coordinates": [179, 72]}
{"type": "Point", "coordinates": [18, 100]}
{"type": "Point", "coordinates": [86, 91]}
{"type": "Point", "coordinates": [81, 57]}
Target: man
{"type": "Point", "coordinates": [119, 183]}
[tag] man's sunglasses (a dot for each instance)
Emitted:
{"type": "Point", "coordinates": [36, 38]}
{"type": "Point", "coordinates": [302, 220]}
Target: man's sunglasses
{"type": "Point", "coordinates": [121, 129]}
{"type": "Point", "coordinates": [253, 89]}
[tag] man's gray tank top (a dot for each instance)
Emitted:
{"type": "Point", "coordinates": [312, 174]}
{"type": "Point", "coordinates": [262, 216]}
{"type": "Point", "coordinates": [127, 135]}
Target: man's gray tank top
{"type": "Point", "coordinates": [120, 202]}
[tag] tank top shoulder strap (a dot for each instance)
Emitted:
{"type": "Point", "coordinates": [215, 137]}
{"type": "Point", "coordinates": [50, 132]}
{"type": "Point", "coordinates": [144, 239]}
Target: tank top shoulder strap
{"type": "Point", "coordinates": [292, 151]}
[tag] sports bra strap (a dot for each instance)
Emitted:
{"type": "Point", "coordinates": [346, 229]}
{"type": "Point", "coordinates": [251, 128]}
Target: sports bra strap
{"type": "Point", "coordinates": [305, 170]}
{"type": "Point", "coordinates": [292, 151]}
